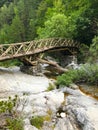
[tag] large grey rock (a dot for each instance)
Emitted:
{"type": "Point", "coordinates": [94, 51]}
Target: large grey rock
{"type": "Point", "coordinates": [79, 110]}
{"type": "Point", "coordinates": [63, 124]}
{"type": "Point", "coordinates": [29, 127]}
{"type": "Point", "coordinates": [74, 86]}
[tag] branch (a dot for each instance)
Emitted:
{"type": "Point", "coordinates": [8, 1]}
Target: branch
{"type": "Point", "coordinates": [53, 63]}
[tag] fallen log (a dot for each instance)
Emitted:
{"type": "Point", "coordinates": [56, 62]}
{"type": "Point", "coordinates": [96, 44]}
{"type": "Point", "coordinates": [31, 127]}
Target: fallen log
{"type": "Point", "coordinates": [27, 61]}
{"type": "Point", "coordinates": [54, 64]}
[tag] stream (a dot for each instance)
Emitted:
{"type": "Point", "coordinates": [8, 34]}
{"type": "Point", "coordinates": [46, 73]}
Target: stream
{"type": "Point", "coordinates": [68, 108]}
{"type": "Point", "coordinates": [89, 90]}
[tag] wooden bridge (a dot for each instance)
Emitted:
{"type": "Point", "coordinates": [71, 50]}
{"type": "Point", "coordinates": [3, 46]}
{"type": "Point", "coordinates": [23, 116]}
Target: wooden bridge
{"type": "Point", "coordinates": [31, 48]}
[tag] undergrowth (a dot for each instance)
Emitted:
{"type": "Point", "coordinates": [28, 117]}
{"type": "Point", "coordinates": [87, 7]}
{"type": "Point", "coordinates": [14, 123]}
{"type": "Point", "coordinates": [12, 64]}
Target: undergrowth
{"type": "Point", "coordinates": [86, 74]}
{"type": "Point", "coordinates": [8, 110]}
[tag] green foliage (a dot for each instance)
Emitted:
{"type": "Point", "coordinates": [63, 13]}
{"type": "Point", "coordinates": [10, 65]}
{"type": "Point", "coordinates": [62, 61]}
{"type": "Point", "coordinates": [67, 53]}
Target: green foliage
{"type": "Point", "coordinates": [6, 14]}
{"type": "Point", "coordinates": [2, 2]}
{"type": "Point", "coordinates": [93, 57]}
{"type": "Point", "coordinates": [57, 8]}
{"type": "Point", "coordinates": [87, 73]}
{"type": "Point", "coordinates": [23, 20]}
{"type": "Point", "coordinates": [4, 34]}
{"type": "Point", "coordinates": [85, 12]}
{"type": "Point", "coordinates": [51, 87]}
{"type": "Point", "coordinates": [10, 63]}
{"type": "Point", "coordinates": [14, 124]}
{"type": "Point", "coordinates": [37, 121]}
{"type": "Point", "coordinates": [13, 121]}
{"type": "Point", "coordinates": [67, 78]}
{"type": "Point", "coordinates": [17, 30]}
{"type": "Point", "coordinates": [7, 106]}
{"type": "Point", "coordinates": [83, 53]}
{"type": "Point", "coordinates": [89, 54]}
{"type": "Point", "coordinates": [58, 26]}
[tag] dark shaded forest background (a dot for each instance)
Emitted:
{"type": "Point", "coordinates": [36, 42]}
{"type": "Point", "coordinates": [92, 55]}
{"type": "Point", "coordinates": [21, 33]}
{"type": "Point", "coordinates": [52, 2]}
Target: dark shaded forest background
{"type": "Point", "coordinates": [24, 20]}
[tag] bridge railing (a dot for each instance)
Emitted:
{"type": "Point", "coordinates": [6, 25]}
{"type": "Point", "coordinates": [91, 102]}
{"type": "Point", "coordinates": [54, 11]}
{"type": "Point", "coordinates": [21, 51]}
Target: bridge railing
{"type": "Point", "coordinates": [9, 51]}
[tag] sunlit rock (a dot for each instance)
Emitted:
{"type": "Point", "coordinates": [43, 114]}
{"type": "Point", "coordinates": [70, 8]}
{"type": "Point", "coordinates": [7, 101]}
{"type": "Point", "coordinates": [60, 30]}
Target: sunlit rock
{"type": "Point", "coordinates": [62, 114]}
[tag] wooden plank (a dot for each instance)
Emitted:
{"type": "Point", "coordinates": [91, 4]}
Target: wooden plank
{"type": "Point", "coordinates": [15, 50]}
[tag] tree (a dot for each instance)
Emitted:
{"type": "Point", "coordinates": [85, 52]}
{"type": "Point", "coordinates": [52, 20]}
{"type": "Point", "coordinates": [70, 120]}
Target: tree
{"type": "Point", "coordinates": [58, 26]}
{"type": "Point", "coordinates": [93, 57]}
{"type": "Point", "coordinates": [17, 30]}
{"type": "Point", "coordinates": [57, 8]}
{"type": "Point", "coordinates": [27, 11]}
{"type": "Point", "coordinates": [4, 34]}
{"type": "Point", "coordinates": [81, 18]}
{"type": "Point", "coordinates": [6, 14]}
{"type": "Point", "coordinates": [86, 20]}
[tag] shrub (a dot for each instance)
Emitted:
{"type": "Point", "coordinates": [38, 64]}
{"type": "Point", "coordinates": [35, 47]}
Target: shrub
{"type": "Point", "coordinates": [14, 124]}
{"type": "Point", "coordinates": [67, 78]}
{"type": "Point", "coordinates": [10, 63]}
{"type": "Point", "coordinates": [37, 121]}
{"type": "Point", "coordinates": [93, 51]}
{"type": "Point", "coordinates": [87, 73]}
{"type": "Point", "coordinates": [13, 120]}
{"type": "Point", "coordinates": [8, 105]}
{"type": "Point", "coordinates": [51, 87]}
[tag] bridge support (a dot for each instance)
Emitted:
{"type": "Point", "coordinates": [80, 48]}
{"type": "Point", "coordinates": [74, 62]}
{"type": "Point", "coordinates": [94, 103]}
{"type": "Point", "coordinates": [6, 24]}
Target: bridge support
{"type": "Point", "coordinates": [74, 59]}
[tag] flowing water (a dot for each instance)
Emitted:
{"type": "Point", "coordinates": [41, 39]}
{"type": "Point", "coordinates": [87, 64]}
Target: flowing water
{"type": "Point", "coordinates": [12, 81]}
{"type": "Point", "coordinates": [89, 90]}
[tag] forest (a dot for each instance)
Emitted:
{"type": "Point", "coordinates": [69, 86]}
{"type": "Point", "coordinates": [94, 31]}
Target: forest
{"type": "Point", "coordinates": [22, 20]}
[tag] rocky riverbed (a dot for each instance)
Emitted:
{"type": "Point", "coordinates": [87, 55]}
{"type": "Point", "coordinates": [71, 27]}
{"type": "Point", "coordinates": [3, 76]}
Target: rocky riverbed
{"type": "Point", "coordinates": [63, 109]}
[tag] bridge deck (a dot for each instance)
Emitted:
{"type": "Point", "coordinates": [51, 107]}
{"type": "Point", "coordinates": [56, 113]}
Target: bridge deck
{"type": "Point", "coordinates": [16, 50]}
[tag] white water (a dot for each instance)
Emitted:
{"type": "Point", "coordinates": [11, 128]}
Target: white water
{"type": "Point", "coordinates": [11, 79]}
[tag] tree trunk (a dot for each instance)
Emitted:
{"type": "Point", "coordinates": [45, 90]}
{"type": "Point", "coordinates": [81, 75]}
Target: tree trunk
{"type": "Point", "coordinates": [53, 63]}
